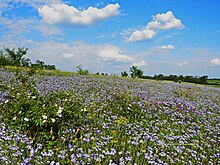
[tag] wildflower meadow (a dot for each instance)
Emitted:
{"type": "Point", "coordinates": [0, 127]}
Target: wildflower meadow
{"type": "Point", "coordinates": [106, 120]}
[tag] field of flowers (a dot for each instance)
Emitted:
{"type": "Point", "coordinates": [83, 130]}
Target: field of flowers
{"type": "Point", "coordinates": [106, 120]}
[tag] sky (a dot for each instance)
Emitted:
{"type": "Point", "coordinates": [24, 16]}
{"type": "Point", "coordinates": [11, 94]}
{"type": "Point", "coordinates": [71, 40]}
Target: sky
{"type": "Point", "coordinates": [179, 37]}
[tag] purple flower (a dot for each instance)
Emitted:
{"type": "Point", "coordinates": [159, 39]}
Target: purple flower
{"type": "Point", "coordinates": [129, 158]}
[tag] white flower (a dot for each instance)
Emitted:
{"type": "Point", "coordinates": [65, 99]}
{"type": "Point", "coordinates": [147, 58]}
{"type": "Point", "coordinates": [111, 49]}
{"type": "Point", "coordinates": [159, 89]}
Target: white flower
{"type": "Point", "coordinates": [19, 112]}
{"type": "Point", "coordinates": [26, 119]}
{"type": "Point", "coordinates": [53, 120]}
{"type": "Point", "coordinates": [84, 110]}
{"type": "Point", "coordinates": [59, 111]}
{"type": "Point", "coordinates": [44, 121]}
{"type": "Point", "coordinates": [44, 117]}
{"type": "Point", "coordinates": [6, 101]}
{"type": "Point", "coordinates": [14, 118]}
{"type": "Point", "coordinates": [34, 97]}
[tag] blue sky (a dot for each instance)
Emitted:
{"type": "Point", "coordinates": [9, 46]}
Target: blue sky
{"type": "Point", "coordinates": [158, 36]}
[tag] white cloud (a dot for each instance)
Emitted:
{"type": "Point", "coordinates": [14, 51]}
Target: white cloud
{"type": "Point", "coordinates": [62, 13]}
{"type": "Point", "coordinates": [11, 4]}
{"type": "Point", "coordinates": [164, 21]}
{"type": "Point", "coordinates": [167, 47]}
{"type": "Point", "coordinates": [93, 57]}
{"type": "Point", "coordinates": [141, 35]}
{"type": "Point", "coordinates": [47, 30]}
{"type": "Point", "coordinates": [15, 27]}
{"type": "Point", "coordinates": [159, 50]}
{"type": "Point", "coordinates": [139, 63]}
{"type": "Point", "coordinates": [215, 62]}
{"type": "Point", "coordinates": [113, 53]}
{"type": "Point", "coordinates": [182, 63]}
{"type": "Point", "coordinates": [68, 55]}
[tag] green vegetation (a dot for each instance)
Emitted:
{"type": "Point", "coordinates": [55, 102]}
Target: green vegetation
{"type": "Point", "coordinates": [82, 71]}
{"type": "Point", "coordinates": [12, 57]}
{"type": "Point", "coordinates": [135, 72]}
{"type": "Point", "coordinates": [98, 119]}
{"type": "Point", "coordinates": [124, 74]}
{"type": "Point", "coordinates": [214, 81]}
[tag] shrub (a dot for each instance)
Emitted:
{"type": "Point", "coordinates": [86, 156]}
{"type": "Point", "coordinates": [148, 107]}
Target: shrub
{"type": "Point", "coordinates": [82, 71]}
{"type": "Point", "coordinates": [37, 115]}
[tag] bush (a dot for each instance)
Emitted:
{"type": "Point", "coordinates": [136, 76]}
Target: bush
{"type": "Point", "coordinates": [82, 71]}
{"type": "Point", "coordinates": [37, 115]}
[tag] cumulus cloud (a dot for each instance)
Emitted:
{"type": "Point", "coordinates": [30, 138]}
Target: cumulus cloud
{"type": "Point", "coordinates": [139, 63]}
{"type": "Point", "coordinates": [215, 62]}
{"type": "Point", "coordinates": [164, 21]}
{"type": "Point", "coordinates": [94, 57]}
{"type": "Point", "coordinates": [113, 53]}
{"type": "Point", "coordinates": [62, 13]}
{"type": "Point", "coordinates": [141, 35]}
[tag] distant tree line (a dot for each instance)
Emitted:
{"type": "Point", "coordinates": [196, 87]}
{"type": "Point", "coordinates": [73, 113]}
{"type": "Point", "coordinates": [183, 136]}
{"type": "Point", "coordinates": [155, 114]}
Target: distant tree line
{"type": "Point", "coordinates": [181, 78]}
{"type": "Point", "coordinates": [12, 57]}
{"type": "Point", "coordinates": [135, 72]}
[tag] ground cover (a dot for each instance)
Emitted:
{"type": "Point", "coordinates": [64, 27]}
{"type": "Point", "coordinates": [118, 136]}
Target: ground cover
{"type": "Point", "coordinates": [106, 120]}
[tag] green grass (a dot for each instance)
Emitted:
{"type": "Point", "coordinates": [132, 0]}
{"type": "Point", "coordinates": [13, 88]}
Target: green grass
{"type": "Point", "coordinates": [214, 81]}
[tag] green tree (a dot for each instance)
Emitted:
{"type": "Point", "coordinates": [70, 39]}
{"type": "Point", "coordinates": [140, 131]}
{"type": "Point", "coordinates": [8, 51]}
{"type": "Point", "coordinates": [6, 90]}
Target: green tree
{"type": "Point", "coordinates": [16, 56]}
{"type": "Point", "coordinates": [3, 59]}
{"type": "Point", "coordinates": [135, 72]}
{"type": "Point", "coordinates": [40, 64]}
{"type": "Point", "coordinates": [203, 80]}
{"type": "Point", "coordinates": [26, 62]}
{"type": "Point", "coordinates": [124, 74]}
{"type": "Point", "coordinates": [82, 71]}
{"type": "Point", "coordinates": [50, 67]}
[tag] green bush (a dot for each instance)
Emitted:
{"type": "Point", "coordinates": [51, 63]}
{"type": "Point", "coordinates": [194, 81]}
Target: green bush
{"type": "Point", "coordinates": [34, 114]}
{"type": "Point", "coordinates": [82, 71]}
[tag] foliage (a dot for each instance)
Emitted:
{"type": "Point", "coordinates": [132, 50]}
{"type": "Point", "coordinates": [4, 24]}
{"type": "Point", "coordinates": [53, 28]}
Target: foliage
{"type": "Point", "coordinates": [15, 56]}
{"type": "Point", "coordinates": [11, 57]}
{"type": "Point", "coordinates": [214, 81]}
{"type": "Point", "coordinates": [26, 62]}
{"type": "Point", "coordinates": [135, 72]}
{"type": "Point", "coordinates": [124, 74]}
{"type": "Point", "coordinates": [82, 71]}
{"type": "Point", "coordinates": [181, 78]}
{"type": "Point", "coordinates": [175, 78]}
{"type": "Point", "coordinates": [4, 60]}
{"type": "Point", "coordinates": [41, 65]}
